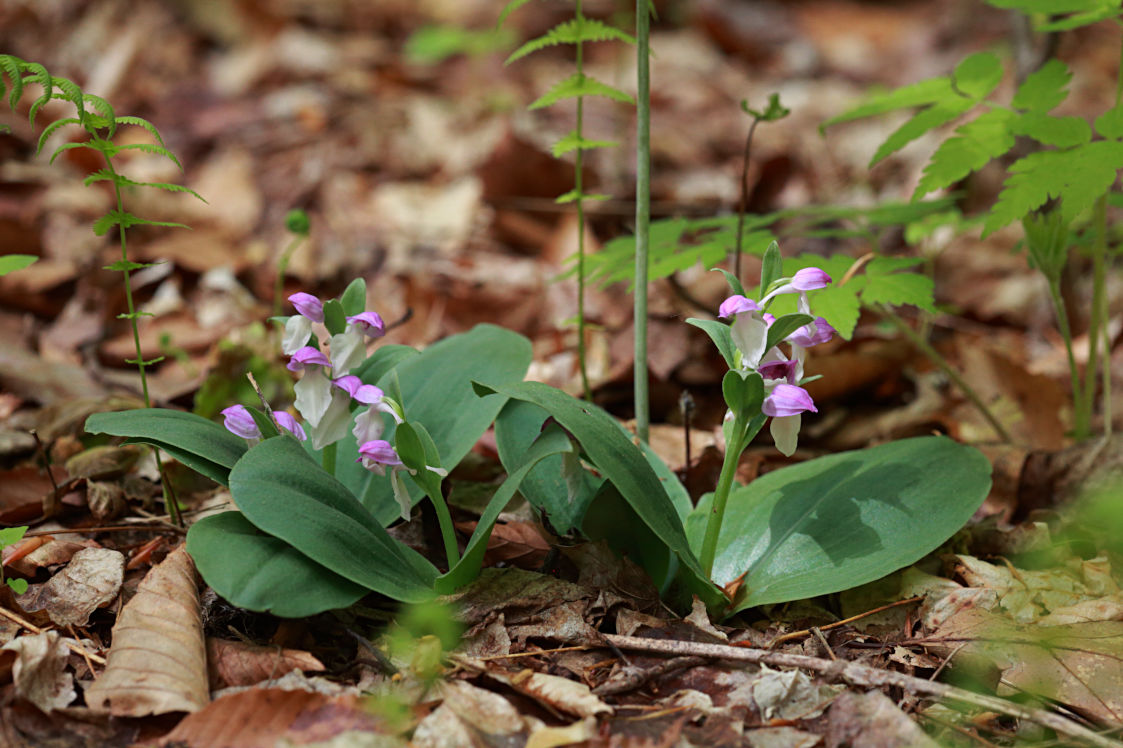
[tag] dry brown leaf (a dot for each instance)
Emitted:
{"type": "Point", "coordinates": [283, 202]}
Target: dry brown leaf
{"type": "Point", "coordinates": [872, 719]}
{"type": "Point", "coordinates": [560, 693]}
{"type": "Point", "coordinates": [39, 671]}
{"type": "Point", "coordinates": [233, 663]}
{"type": "Point", "coordinates": [262, 717]}
{"type": "Point", "coordinates": [91, 579]}
{"type": "Point", "coordinates": [158, 660]}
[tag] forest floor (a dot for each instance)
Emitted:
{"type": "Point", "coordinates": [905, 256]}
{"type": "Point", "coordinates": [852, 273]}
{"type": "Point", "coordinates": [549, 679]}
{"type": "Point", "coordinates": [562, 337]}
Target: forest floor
{"type": "Point", "coordinates": [433, 182]}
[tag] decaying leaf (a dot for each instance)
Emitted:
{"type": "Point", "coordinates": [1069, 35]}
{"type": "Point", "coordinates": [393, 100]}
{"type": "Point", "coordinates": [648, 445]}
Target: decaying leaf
{"type": "Point", "coordinates": [91, 579]}
{"type": "Point", "coordinates": [39, 671]}
{"type": "Point", "coordinates": [157, 663]}
{"type": "Point", "coordinates": [232, 663]}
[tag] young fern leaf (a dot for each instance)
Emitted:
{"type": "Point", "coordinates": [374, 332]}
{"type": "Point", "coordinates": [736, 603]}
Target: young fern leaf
{"type": "Point", "coordinates": [106, 118]}
{"type": "Point", "coordinates": [931, 91]}
{"type": "Point", "coordinates": [508, 9]}
{"type": "Point", "coordinates": [977, 75]}
{"type": "Point", "coordinates": [141, 122]}
{"type": "Point", "coordinates": [920, 124]}
{"type": "Point", "coordinates": [105, 175]}
{"type": "Point", "coordinates": [11, 66]}
{"type": "Point", "coordinates": [572, 31]}
{"type": "Point", "coordinates": [127, 220]}
{"type": "Point", "coordinates": [1061, 132]}
{"type": "Point", "coordinates": [1044, 88]}
{"type": "Point", "coordinates": [972, 147]}
{"type": "Point", "coordinates": [148, 148]}
{"type": "Point", "coordinates": [50, 129]}
{"type": "Point", "coordinates": [576, 85]}
{"type": "Point", "coordinates": [92, 144]}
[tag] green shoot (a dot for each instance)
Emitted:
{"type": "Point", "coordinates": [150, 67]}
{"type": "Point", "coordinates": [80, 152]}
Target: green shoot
{"type": "Point", "coordinates": [11, 536]}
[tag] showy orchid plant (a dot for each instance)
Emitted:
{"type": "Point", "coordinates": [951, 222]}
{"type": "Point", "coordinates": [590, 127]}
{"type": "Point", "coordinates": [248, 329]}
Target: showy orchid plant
{"type": "Point", "coordinates": [763, 382]}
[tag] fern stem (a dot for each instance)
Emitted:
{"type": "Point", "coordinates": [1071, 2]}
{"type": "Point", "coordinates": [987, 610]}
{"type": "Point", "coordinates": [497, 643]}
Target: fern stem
{"type": "Point", "coordinates": [744, 204]}
{"type": "Point", "coordinates": [578, 187]}
{"type": "Point", "coordinates": [924, 347]}
{"type": "Point", "coordinates": [1099, 298]}
{"type": "Point", "coordinates": [643, 213]}
{"type": "Point", "coordinates": [1065, 328]}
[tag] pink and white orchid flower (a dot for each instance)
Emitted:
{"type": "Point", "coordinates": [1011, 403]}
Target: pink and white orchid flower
{"type": "Point", "coordinates": [298, 328]}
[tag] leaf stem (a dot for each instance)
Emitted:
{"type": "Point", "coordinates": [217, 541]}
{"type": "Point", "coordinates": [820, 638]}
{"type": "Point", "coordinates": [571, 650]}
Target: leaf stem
{"type": "Point", "coordinates": [744, 204]}
{"type": "Point", "coordinates": [924, 347]}
{"type": "Point", "coordinates": [733, 451]}
{"type": "Point", "coordinates": [1083, 416]}
{"type": "Point", "coordinates": [643, 214]}
{"type": "Point", "coordinates": [328, 458]}
{"type": "Point", "coordinates": [448, 532]}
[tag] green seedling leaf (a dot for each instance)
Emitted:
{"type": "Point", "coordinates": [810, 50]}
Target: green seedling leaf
{"type": "Point", "coordinates": [577, 85]}
{"type": "Point", "coordinates": [743, 392]}
{"type": "Point", "coordinates": [622, 464]}
{"type": "Point", "coordinates": [1044, 88]}
{"type": "Point", "coordinates": [202, 445]}
{"type": "Point", "coordinates": [573, 195]}
{"type": "Point", "coordinates": [772, 268]}
{"type": "Point", "coordinates": [122, 265]}
{"type": "Point", "coordinates": [335, 319]}
{"type": "Point", "coordinates": [836, 522]}
{"type": "Point", "coordinates": [354, 298]}
{"type": "Point", "coordinates": [974, 145]}
{"type": "Point", "coordinates": [719, 333]}
{"type": "Point", "coordinates": [11, 535]}
{"type": "Point", "coordinates": [573, 142]}
{"type": "Point", "coordinates": [284, 493]}
{"type": "Point", "coordinates": [774, 111]}
{"type": "Point", "coordinates": [259, 572]}
{"type": "Point", "coordinates": [508, 9]}
{"type": "Point", "coordinates": [546, 486]}
{"type": "Point", "coordinates": [297, 222]}
{"type": "Point", "coordinates": [552, 442]}
{"type": "Point", "coordinates": [12, 263]}
{"type": "Point", "coordinates": [977, 75]}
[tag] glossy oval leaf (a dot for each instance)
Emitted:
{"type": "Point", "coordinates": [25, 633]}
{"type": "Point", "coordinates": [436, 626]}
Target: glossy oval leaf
{"type": "Point", "coordinates": [259, 572]}
{"type": "Point", "coordinates": [623, 463]}
{"type": "Point", "coordinates": [836, 522]}
{"type": "Point", "coordinates": [284, 493]}
{"type": "Point", "coordinates": [202, 445]}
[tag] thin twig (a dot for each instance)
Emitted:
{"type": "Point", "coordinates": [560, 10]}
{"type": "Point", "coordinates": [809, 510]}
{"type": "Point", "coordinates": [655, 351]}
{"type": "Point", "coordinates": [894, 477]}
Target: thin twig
{"type": "Point", "coordinates": [843, 622]}
{"type": "Point", "coordinates": [863, 675]}
{"type": "Point", "coordinates": [71, 645]}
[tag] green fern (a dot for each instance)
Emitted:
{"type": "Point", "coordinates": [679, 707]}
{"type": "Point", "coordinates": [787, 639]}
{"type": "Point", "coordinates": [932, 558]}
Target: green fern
{"type": "Point", "coordinates": [571, 32]}
{"type": "Point", "coordinates": [579, 85]}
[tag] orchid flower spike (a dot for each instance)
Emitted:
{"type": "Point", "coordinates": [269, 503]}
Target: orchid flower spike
{"type": "Point", "coordinates": [298, 328]}
{"type": "Point", "coordinates": [348, 348]}
{"type": "Point", "coordinates": [289, 424]}
{"type": "Point", "coordinates": [239, 422]}
{"type": "Point", "coordinates": [378, 454]}
{"type": "Point", "coordinates": [368, 423]}
{"type": "Point", "coordinates": [749, 330]}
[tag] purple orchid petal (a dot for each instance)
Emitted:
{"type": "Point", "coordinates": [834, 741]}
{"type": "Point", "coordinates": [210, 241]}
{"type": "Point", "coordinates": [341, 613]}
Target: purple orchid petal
{"type": "Point", "coordinates": [805, 338]}
{"type": "Point", "coordinates": [377, 454]}
{"type": "Point", "coordinates": [736, 304]}
{"type": "Point", "coordinates": [307, 356]}
{"type": "Point", "coordinates": [289, 424]}
{"type": "Point", "coordinates": [367, 394]}
{"type": "Point", "coordinates": [308, 306]}
{"type": "Point", "coordinates": [810, 279]}
{"type": "Point", "coordinates": [239, 422]}
{"type": "Point", "coordinates": [784, 370]}
{"type": "Point", "coordinates": [787, 400]}
{"type": "Point", "coordinates": [370, 323]}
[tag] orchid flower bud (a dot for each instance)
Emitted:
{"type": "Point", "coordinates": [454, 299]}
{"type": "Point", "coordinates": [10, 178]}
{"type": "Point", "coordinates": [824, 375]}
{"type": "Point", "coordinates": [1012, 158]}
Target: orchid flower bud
{"type": "Point", "coordinates": [239, 422]}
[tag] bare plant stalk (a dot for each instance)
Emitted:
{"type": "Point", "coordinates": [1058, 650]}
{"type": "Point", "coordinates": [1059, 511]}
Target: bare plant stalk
{"type": "Point", "coordinates": [643, 213]}
{"type": "Point", "coordinates": [744, 204]}
{"type": "Point", "coordinates": [578, 187]}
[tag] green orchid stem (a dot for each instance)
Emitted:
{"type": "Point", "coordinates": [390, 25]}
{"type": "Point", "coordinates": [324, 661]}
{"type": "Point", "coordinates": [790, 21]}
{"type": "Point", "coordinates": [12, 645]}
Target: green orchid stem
{"type": "Point", "coordinates": [923, 346]}
{"type": "Point", "coordinates": [733, 452]}
{"type": "Point", "coordinates": [282, 266]}
{"type": "Point", "coordinates": [448, 532]}
{"type": "Point", "coordinates": [328, 458]}
{"type": "Point", "coordinates": [643, 214]}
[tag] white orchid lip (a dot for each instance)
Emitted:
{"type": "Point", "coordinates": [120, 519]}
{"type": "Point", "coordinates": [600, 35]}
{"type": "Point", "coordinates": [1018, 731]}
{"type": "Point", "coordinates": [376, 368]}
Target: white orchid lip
{"type": "Point", "coordinates": [308, 306]}
{"type": "Point", "coordinates": [370, 323]}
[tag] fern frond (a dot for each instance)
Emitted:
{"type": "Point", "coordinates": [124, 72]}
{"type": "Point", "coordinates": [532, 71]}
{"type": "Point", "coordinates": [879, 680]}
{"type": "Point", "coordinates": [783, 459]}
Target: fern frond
{"type": "Point", "coordinates": [13, 66]}
{"type": "Point", "coordinates": [508, 9]}
{"type": "Point", "coordinates": [1062, 132]}
{"type": "Point", "coordinates": [920, 123]}
{"type": "Point", "coordinates": [71, 92]}
{"type": "Point", "coordinates": [39, 75]}
{"type": "Point", "coordinates": [972, 147]}
{"type": "Point", "coordinates": [577, 85]}
{"type": "Point", "coordinates": [572, 31]}
{"type": "Point", "coordinates": [1044, 88]}
{"type": "Point", "coordinates": [91, 144]}
{"type": "Point", "coordinates": [152, 148]}
{"type": "Point", "coordinates": [141, 122]}
{"type": "Point", "coordinates": [1078, 176]}
{"type": "Point", "coordinates": [105, 175]}
{"type": "Point", "coordinates": [106, 118]}
{"type": "Point", "coordinates": [573, 142]}
{"type": "Point", "coordinates": [50, 129]}
{"type": "Point", "coordinates": [127, 220]}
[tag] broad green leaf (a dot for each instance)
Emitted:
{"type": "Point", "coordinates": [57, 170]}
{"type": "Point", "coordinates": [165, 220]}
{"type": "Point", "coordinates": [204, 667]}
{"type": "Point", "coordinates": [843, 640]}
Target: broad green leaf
{"type": "Point", "coordinates": [771, 268]}
{"type": "Point", "coordinates": [931, 91]}
{"type": "Point", "coordinates": [836, 522]}
{"type": "Point", "coordinates": [551, 442]}
{"type": "Point", "coordinates": [734, 282]}
{"type": "Point", "coordinates": [259, 572]}
{"type": "Point", "coordinates": [335, 319]}
{"type": "Point", "coordinates": [1063, 132]}
{"type": "Point", "coordinates": [11, 263]}
{"type": "Point", "coordinates": [437, 394]}
{"type": "Point", "coordinates": [974, 144]}
{"type": "Point", "coordinates": [719, 333]}
{"type": "Point", "coordinates": [1044, 88]}
{"type": "Point", "coordinates": [11, 535]}
{"type": "Point", "coordinates": [899, 288]}
{"type": "Point", "coordinates": [546, 486]}
{"type": "Point", "coordinates": [743, 393]}
{"type": "Point", "coordinates": [785, 326]}
{"type": "Point", "coordinates": [1110, 123]}
{"type": "Point", "coordinates": [577, 85]}
{"type": "Point", "coordinates": [616, 521]}
{"type": "Point", "coordinates": [202, 445]}
{"type": "Point", "coordinates": [622, 463]}
{"type": "Point", "coordinates": [1078, 176]}
{"type": "Point", "coordinates": [283, 492]}
{"type": "Point", "coordinates": [354, 298]}
{"type": "Point", "coordinates": [977, 75]}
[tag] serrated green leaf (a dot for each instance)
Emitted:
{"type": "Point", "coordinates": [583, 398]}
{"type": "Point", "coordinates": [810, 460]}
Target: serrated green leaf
{"type": "Point", "coordinates": [1062, 132]}
{"type": "Point", "coordinates": [11, 263]}
{"type": "Point", "coordinates": [11, 535]}
{"type": "Point", "coordinates": [572, 142]}
{"type": "Point", "coordinates": [972, 147]}
{"type": "Point", "coordinates": [577, 85]}
{"type": "Point", "coordinates": [1044, 88]}
{"type": "Point", "coordinates": [1078, 176]}
{"type": "Point", "coordinates": [123, 265]}
{"type": "Point", "coordinates": [572, 31]}
{"type": "Point", "coordinates": [978, 75]}
{"type": "Point", "coordinates": [1110, 123]}
{"type": "Point", "coordinates": [899, 288]}
{"type": "Point", "coordinates": [922, 122]}
{"type": "Point", "coordinates": [151, 148]}
{"type": "Point", "coordinates": [931, 91]}
{"type": "Point", "coordinates": [1047, 6]}
{"type": "Point", "coordinates": [141, 122]}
